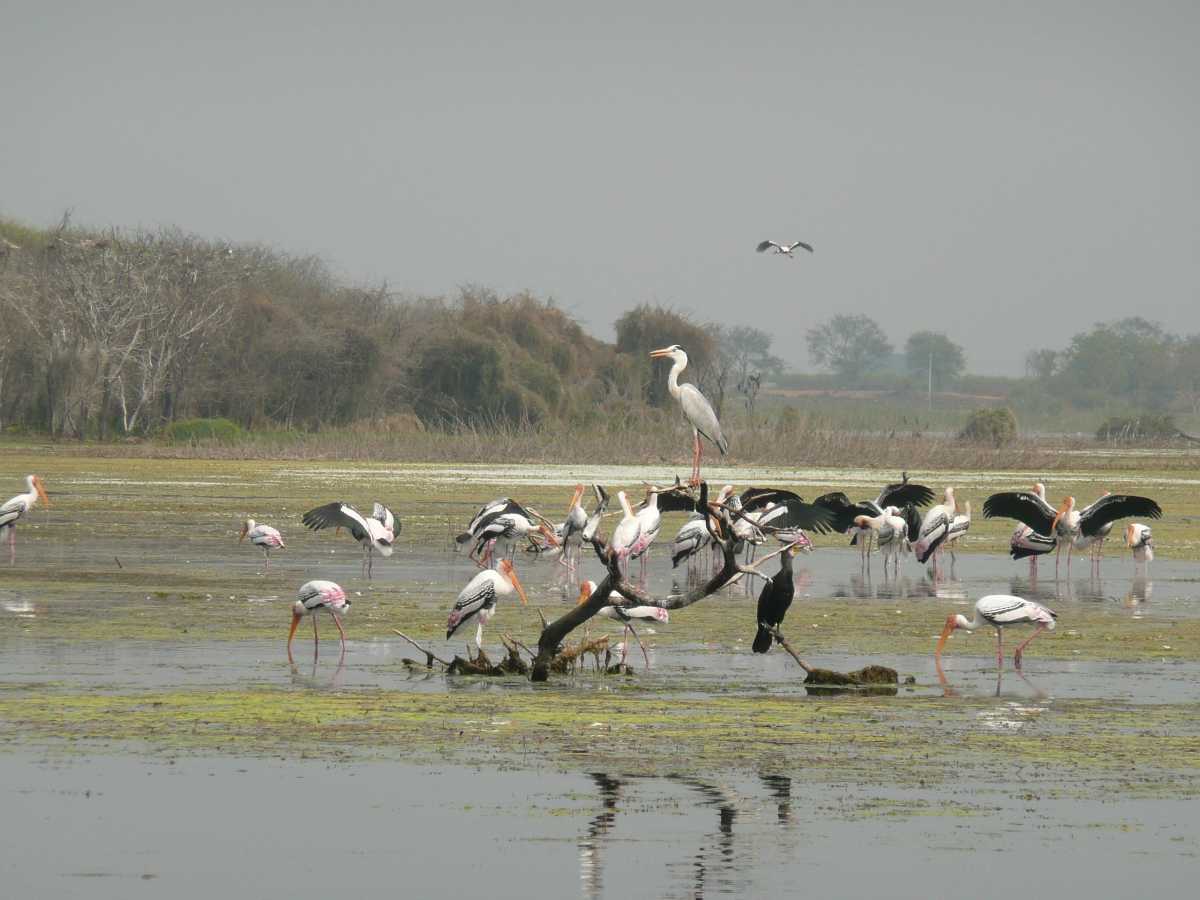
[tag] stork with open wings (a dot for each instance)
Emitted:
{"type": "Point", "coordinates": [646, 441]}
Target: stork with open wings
{"type": "Point", "coordinates": [376, 532]}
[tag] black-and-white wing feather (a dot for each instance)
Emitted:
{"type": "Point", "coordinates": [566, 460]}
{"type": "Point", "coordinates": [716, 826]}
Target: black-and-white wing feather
{"type": "Point", "coordinates": [1024, 506]}
{"type": "Point", "coordinates": [1110, 507]}
{"type": "Point", "coordinates": [337, 515]}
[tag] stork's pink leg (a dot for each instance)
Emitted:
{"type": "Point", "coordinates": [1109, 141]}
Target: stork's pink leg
{"type": "Point", "coordinates": [316, 639]}
{"type": "Point", "coordinates": [1027, 642]}
{"type": "Point", "coordinates": [341, 631]}
{"type": "Point", "coordinates": [1000, 647]}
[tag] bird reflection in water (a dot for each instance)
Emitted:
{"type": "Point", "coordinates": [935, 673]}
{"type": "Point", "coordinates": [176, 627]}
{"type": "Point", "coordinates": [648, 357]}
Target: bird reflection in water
{"type": "Point", "coordinates": [1139, 592]}
{"type": "Point", "coordinates": [780, 789]}
{"type": "Point", "coordinates": [948, 690]}
{"type": "Point", "coordinates": [591, 864]}
{"type": "Point", "coordinates": [311, 681]}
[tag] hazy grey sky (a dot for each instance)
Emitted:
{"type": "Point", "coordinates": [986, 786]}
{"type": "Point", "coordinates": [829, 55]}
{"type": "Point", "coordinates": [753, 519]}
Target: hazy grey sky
{"type": "Point", "coordinates": [1008, 173]}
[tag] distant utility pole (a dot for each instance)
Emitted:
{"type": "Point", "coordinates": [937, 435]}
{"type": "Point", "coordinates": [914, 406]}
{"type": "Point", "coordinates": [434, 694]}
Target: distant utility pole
{"type": "Point", "coordinates": [931, 381]}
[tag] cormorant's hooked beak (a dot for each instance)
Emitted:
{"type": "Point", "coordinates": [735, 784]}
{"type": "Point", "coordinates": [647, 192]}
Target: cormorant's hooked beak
{"type": "Point", "coordinates": [951, 624]}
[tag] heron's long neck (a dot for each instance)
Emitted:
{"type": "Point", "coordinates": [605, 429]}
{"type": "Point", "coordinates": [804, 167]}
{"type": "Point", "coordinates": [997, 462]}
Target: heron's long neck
{"type": "Point", "coordinates": [673, 378]}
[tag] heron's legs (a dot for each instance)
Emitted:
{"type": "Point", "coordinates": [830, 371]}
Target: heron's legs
{"type": "Point", "coordinates": [696, 450]}
{"type": "Point", "coordinates": [1026, 643]}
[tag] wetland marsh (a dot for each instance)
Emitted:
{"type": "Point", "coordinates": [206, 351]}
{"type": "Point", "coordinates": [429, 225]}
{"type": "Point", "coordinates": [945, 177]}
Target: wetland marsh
{"type": "Point", "coordinates": [141, 644]}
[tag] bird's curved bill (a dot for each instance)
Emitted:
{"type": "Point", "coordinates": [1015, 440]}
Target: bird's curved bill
{"type": "Point", "coordinates": [584, 593]}
{"type": "Point", "coordinates": [548, 535]}
{"type": "Point", "coordinates": [946, 632]}
{"type": "Point", "coordinates": [242, 536]}
{"type": "Point", "coordinates": [575, 498]}
{"type": "Point", "coordinates": [41, 491]}
{"type": "Point", "coordinates": [512, 576]}
{"type": "Point", "coordinates": [1128, 535]}
{"type": "Point", "coordinates": [665, 351]}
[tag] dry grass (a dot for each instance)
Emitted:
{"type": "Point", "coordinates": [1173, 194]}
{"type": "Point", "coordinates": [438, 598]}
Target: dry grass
{"type": "Point", "coordinates": [651, 440]}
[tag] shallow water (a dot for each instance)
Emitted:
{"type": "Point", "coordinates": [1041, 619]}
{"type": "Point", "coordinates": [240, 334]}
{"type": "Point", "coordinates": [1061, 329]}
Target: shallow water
{"type": "Point", "coordinates": [133, 588]}
{"type": "Point", "coordinates": [198, 827]}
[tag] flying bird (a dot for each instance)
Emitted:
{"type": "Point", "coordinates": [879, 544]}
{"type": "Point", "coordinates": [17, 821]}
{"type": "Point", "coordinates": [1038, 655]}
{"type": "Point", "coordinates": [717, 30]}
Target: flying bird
{"type": "Point", "coordinates": [696, 408]}
{"type": "Point", "coordinates": [376, 532]}
{"type": "Point", "coordinates": [785, 249]}
{"type": "Point", "coordinates": [1000, 611]}
{"type": "Point", "coordinates": [315, 596]}
{"type": "Point", "coordinates": [264, 537]}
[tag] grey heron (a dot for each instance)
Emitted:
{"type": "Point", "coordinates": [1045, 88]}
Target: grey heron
{"type": "Point", "coordinates": [696, 408]}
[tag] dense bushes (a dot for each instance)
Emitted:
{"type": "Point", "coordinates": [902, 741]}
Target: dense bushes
{"type": "Point", "coordinates": [991, 425]}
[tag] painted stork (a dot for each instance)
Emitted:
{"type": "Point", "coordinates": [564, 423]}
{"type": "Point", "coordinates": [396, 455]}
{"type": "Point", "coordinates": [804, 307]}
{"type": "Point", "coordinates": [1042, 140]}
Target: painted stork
{"type": "Point", "coordinates": [627, 532]}
{"type": "Point", "coordinates": [597, 514]}
{"type": "Point", "coordinates": [264, 537]}
{"type": "Point", "coordinates": [781, 513]}
{"type": "Point", "coordinates": [934, 528]}
{"type": "Point", "coordinates": [1068, 524]}
{"type": "Point", "coordinates": [16, 507]}
{"type": "Point", "coordinates": [891, 535]}
{"type": "Point", "coordinates": [1139, 539]}
{"type": "Point", "coordinates": [478, 599]}
{"type": "Point", "coordinates": [785, 249]}
{"type": "Point", "coordinates": [502, 522]}
{"type": "Point", "coordinates": [773, 601]}
{"type": "Point", "coordinates": [898, 494]}
{"type": "Point", "coordinates": [1000, 611]}
{"type": "Point", "coordinates": [315, 596]}
{"type": "Point", "coordinates": [1025, 542]}
{"type": "Point", "coordinates": [376, 533]}
{"type": "Point", "coordinates": [959, 526]}
{"type": "Point", "coordinates": [626, 615]}
{"type": "Point", "coordinates": [691, 538]}
{"type": "Point", "coordinates": [571, 532]}
{"type": "Point", "coordinates": [696, 408]}
{"type": "Point", "coordinates": [649, 522]}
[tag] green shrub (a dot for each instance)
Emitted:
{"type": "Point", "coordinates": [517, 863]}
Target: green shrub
{"type": "Point", "coordinates": [1133, 428]}
{"type": "Point", "coordinates": [192, 431]}
{"type": "Point", "coordinates": [991, 425]}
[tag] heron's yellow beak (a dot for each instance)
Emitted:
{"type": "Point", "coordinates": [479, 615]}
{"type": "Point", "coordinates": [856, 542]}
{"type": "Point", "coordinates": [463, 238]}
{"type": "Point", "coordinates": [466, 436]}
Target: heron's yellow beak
{"type": "Point", "coordinates": [666, 351]}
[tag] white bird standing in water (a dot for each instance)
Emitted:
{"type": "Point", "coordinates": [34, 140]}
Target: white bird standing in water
{"type": "Point", "coordinates": [14, 509]}
{"type": "Point", "coordinates": [1000, 611]}
{"type": "Point", "coordinates": [696, 408]}
{"type": "Point", "coordinates": [264, 537]}
{"type": "Point", "coordinates": [478, 599]}
{"type": "Point", "coordinates": [626, 615]}
{"type": "Point", "coordinates": [315, 596]}
{"type": "Point", "coordinates": [1139, 539]}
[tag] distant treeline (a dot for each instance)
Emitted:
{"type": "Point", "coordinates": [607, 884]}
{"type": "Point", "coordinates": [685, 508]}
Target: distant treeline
{"type": "Point", "coordinates": [1130, 364]}
{"type": "Point", "coordinates": [114, 333]}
